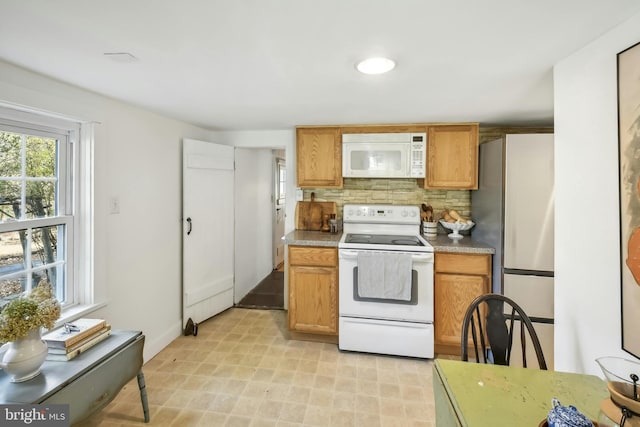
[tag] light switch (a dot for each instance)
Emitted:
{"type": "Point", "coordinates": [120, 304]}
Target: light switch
{"type": "Point", "coordinates": [299, 194]}
{"type": "Point", "coordinates": [114, 205]}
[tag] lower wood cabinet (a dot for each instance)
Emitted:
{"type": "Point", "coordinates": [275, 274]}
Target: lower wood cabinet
{"type": "Point", "coordinates": [459, 279]}
{"type": "Point", "coordinates": [313, 290]}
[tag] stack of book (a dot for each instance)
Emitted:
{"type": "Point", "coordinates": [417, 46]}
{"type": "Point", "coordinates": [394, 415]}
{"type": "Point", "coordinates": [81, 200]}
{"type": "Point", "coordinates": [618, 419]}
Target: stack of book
{"type": "Point", "coordinates": [75, 338]}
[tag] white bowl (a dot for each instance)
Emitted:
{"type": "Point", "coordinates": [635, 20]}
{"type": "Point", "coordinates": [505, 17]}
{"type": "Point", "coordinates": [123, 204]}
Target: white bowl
{"type": "Point", "coordinates": [457, 227]}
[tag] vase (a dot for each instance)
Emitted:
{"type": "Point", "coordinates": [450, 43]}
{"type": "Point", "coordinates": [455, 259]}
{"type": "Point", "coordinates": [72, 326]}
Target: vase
{"type": "Point", "coordinates": [24, 357]}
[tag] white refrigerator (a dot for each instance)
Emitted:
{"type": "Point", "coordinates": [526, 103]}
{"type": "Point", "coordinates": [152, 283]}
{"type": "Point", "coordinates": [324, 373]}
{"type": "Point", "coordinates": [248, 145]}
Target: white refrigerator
{"type": "Point", "coordinates": [513, 209]}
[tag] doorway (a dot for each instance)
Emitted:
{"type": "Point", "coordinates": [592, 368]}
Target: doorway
{"type": "Point", "coordinates": [280, 193]}
{"type": "Point", "coordinates": [263, 290]}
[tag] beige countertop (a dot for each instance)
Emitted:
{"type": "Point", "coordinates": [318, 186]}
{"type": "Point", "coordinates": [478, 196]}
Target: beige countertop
{"type": "Point", "coordinates": [466, 245]}
{"type": "Point", "coordinates": [312, 238]}
{"type": "Point", "coordinates": [442, 243]}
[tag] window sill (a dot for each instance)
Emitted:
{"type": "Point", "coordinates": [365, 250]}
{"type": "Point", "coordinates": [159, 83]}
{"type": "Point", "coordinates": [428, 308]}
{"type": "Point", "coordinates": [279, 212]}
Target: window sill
{"type": "Point", "coordinates": [76, 312]}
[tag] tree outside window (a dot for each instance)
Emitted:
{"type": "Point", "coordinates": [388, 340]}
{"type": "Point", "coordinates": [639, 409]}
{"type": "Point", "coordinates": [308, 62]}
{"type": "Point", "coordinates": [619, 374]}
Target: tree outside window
{"type": "Point", "coordinates": [30, 238]}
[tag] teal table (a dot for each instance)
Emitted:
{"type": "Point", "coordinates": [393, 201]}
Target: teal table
{"type": "Point", "coordinates": [88, 382]}
{"type": "Point", "coordinates": [478, 395]}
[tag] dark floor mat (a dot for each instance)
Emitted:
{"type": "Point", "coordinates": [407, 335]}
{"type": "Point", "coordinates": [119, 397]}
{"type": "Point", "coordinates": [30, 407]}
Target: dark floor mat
{"type": "Point", "coordinates": [268, 294]}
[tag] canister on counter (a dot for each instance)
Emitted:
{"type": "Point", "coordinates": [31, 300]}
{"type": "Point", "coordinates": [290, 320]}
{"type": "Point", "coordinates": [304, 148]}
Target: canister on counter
{"type": "Point", "coordinates": [429, 229]}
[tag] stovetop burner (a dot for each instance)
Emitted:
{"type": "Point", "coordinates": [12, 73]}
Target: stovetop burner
{"type": "Point", "coordinates": [383, 239]}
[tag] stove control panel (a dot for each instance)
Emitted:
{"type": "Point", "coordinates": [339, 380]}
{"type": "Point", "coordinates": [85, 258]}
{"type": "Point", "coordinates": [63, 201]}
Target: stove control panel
{"type": "Point", "coordinates": [395, 214]}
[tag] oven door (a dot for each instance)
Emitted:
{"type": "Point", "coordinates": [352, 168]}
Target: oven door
{"type": "Point", "coordinates": [418, 309]}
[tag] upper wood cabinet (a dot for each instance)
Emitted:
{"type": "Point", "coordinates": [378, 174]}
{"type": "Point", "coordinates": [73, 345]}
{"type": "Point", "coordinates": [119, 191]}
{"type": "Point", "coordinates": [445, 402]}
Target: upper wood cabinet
{"type": "Point", "coordinates": [452, 157]}
{"type": "Point", "coordinates": [319, 157]}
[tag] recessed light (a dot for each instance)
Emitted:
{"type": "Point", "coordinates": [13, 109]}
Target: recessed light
{"type": "Point", "coordinates": [124, 57]}
{"type": "Point", "coordinates": [376, 65]}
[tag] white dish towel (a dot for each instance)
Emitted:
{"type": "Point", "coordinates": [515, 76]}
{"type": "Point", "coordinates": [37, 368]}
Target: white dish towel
{"type": "Point", "coordinates": [384, 275]}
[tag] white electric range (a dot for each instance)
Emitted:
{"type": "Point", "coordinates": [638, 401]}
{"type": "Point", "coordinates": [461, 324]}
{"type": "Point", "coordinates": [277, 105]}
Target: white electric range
{"type": "Point", "coordinates": [386, 282]}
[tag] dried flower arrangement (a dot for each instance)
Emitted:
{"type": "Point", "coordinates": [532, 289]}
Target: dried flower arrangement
{"type": "Point", "coordinates": [38, 309]}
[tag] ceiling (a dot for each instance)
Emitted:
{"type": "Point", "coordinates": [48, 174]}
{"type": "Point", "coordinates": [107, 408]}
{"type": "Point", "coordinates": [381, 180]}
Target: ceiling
{"type": "Point", "coordinates": [275, 64]}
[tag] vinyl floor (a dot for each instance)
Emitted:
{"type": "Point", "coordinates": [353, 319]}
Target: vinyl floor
{"type": "Point", "coordinates": [243, 370]}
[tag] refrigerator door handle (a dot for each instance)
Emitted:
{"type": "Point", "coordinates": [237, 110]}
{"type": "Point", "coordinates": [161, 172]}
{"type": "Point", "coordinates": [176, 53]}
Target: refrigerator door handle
{"type": "Point", "coordinates": [520, 272]}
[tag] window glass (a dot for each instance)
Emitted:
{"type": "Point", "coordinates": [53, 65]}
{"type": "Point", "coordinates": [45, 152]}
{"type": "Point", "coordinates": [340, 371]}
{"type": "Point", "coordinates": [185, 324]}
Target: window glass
{"type": "Point", "coordinates": [40, 157]}
{"type": "Point", "coordinates": [34, 233]}
{"type": "Point", "coordinates": [10, 154]}
{"type": "Point", "coordinates": [11, 288]}
{"type": "Point", "coordinates": [40, 201]}
{"type": "Point", "coordinates": [11, 252]}
{"type": "Point", "coordinates": [281, 178]}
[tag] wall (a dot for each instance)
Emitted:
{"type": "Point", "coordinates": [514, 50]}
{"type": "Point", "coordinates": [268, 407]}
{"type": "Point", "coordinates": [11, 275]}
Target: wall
{"type": "Point", "coordinates": [274, 139]}
{"type": "Point", "coordinates": [587, 241]}
{"type": "Point", "coordinates": [138, 157]}
{"type": "Point", "coordinates": [253, 214]}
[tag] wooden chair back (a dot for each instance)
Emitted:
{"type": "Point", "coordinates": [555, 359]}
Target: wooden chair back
{"type": "Point", "coordinates": [493, 320]}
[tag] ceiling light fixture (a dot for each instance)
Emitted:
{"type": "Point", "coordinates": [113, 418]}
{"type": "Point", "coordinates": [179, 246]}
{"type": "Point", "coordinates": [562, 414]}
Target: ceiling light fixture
{"type": "Point", "coordinates": [376, 65]}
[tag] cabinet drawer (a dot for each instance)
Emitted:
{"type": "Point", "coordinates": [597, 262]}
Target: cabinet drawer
{"type": "Point", "coordinates": [313, 256]}
{"type": "Point", "coordinates": [479, 264]}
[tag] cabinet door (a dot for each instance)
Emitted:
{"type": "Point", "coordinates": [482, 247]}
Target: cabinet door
{"type": "Point", "coordinates": [452, 294]}
{"type": "Point", "coordinates": [313, 299]}
{"type": "Point", "coordinates": [452, 157]}
{"type": "Point", "coordinates": [319, 157]}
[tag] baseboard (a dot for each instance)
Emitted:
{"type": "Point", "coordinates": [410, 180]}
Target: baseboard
{"type": "Point", "coordinates": [151, 348]}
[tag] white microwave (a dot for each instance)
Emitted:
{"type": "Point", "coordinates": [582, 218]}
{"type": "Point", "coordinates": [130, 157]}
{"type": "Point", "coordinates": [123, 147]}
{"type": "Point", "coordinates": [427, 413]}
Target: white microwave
{"type": "Point", "coordinates": [384, 155]}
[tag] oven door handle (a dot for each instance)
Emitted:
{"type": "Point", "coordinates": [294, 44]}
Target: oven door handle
{"type": "Point", "coordinates": [422, 257]}
{"type": "Point", "coordinates": [347, 254]}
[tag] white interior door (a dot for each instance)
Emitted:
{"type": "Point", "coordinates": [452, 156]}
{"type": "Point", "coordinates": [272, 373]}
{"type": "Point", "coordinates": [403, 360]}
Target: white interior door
{"type": "Point", "coordinates": [278, 243]}
{"type": "Point", "coordinates": [208, 242]}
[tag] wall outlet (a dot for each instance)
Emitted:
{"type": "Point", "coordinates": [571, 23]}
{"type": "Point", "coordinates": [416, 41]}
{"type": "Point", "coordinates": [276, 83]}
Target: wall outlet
{"type": "Point", "coordinates": [299, 194]}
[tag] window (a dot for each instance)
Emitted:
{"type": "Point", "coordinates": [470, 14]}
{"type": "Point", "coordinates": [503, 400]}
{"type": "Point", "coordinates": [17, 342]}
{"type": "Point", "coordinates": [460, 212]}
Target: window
{"type": "Point", "coordinates": [281, 181]}
{"type": "Point", "coordinates": [39, 178]}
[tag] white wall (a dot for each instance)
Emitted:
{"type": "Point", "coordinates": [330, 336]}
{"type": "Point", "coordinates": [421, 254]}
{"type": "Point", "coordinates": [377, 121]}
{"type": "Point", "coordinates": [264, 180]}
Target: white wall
{"type": "Point", "coordinates": [587, 240]}
{"type": "Point", "coordinates": [253, 215]}
{"type": "Point", "coordinates": [137, 159]}
{"type": "Point", "coordinates": [283, 139]}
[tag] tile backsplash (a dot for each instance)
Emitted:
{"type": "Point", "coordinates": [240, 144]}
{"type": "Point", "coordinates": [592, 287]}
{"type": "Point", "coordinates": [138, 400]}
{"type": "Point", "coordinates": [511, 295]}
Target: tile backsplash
{"type": "Point", "coordinates": [392, 191]}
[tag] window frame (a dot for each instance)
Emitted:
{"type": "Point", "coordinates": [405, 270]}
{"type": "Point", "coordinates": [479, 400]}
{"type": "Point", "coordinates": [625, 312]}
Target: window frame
{"type": "Point", "coordinates": [280, 196]}
{"type": "Point", "coordinates": [75, 188]}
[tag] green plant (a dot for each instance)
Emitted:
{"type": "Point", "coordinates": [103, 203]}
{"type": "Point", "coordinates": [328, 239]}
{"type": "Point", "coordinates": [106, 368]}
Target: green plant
{"type": "Point", "coordinates": [38, 309]}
